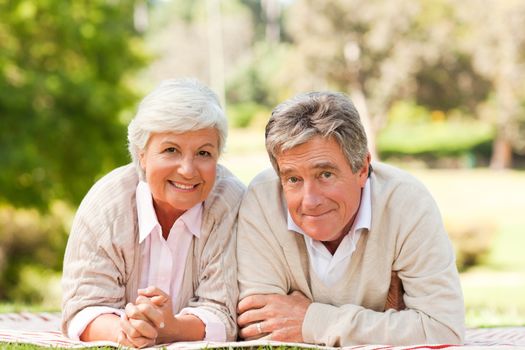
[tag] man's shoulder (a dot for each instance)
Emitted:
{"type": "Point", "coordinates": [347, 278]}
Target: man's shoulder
{"type": "Point", "coordinates": [266, 184]}
{"type": "Point", "coordinates": [388, 177]}
{"type": "Point", "coordinates": [397, 192]}
{"type": "Point", "coordinates": [266, 177]}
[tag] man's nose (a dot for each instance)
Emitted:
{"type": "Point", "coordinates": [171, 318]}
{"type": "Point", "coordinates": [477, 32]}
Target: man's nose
{"type": "Point", "coordinates": [312, 197]}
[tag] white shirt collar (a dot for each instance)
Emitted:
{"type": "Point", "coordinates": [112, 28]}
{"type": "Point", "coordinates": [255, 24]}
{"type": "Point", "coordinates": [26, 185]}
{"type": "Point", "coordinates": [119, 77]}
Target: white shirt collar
{"type": "Point", "coordinates": [363, 218]}
{"type": "Point", "coordinates": [331, 268]}
{"type": "Point", "coordinates": [192, 218]}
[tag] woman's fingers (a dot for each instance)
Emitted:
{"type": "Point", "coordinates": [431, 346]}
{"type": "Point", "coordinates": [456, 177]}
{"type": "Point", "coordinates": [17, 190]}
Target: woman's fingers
{"type": "Point", "coordinates": [152, 291]}
{"type": "Point", "coordinates": [136, 333]}
{"type": "Point", "coordinates": [145, 312]}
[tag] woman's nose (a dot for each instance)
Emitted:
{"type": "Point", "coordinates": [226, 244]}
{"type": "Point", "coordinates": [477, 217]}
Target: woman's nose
{"type": "Point", "coordinates": [186, 167]}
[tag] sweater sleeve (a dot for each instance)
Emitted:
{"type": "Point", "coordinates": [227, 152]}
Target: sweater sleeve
{"type": "Point", "coordinates": [261, 262]}
{"type": "Point", "coordinates": [93, 272]}
{"type": "Point", "coordinates": [425, 262]}
{"type": "Point", "coordinates": [216, 289]}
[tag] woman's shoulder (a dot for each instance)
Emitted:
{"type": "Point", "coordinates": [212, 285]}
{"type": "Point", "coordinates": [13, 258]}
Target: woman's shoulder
{"type": "Point", "coordinates": [227, 183]}
{"type": "Point", "coordinates": [115, 189]}
{"type": "Point", "coordinates": [227, 192]}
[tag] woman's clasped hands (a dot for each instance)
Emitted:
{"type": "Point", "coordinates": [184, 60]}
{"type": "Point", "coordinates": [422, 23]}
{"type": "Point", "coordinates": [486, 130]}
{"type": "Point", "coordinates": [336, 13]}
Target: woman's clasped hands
{"type": "Point", "coordinates": [148, 321]}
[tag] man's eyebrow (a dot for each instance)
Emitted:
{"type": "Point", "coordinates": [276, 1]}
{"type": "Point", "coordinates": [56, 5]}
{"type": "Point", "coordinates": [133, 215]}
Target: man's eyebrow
{"type": "Point", "coordinates": [316, 166]}
{"type": "Point", "coordinates": [325, 166]}
{"type": "Point", "coordinates": [285, 172]}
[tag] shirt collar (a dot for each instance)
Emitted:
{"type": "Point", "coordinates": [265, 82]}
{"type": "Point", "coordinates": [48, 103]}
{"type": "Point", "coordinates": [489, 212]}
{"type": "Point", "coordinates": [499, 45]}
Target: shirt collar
{"type": "Point", "coordinates": [147, 218]}
{"type": "Point", "coordinates": [363, 218]}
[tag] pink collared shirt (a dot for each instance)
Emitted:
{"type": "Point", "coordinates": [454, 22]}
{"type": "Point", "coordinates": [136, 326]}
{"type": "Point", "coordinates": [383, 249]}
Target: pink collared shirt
{"type": "Point", "coordinates": [163, 265]}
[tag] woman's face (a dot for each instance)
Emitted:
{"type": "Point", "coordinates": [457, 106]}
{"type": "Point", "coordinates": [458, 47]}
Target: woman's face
{"type": "Point", "coordinates": [180, 168]}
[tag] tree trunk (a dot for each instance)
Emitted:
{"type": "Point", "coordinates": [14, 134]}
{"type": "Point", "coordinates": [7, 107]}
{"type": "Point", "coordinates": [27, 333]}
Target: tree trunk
{"type": "Point", "coordinates": [216, 54]}
{"type": "Point", "coordinates": [272, 11]}
{"type": "Point", "coordinates": [359, 100]}
{"type": "Point", "coordinates": [501, 153]}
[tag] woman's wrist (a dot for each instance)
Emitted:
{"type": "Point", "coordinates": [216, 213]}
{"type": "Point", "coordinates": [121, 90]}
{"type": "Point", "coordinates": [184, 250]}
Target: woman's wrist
{"type": "Point", "coordinates": [182, 328]}
{"type": "Point", "coordinates": [171, 331]}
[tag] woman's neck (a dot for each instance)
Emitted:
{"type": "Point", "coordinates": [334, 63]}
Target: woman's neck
{"type": "Point", "coordinates": [166, 216]}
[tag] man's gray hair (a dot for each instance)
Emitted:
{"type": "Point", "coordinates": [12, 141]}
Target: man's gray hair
{"type": "Point", "coordinates": [327, 114]}
{"type": "Point", "coordinates": [176, 105]}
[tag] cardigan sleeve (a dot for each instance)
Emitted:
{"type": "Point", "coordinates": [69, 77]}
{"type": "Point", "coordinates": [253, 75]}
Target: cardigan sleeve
{"type": "Point", "coordinates": [216, 290]}
{"type": "Point", "coordinates": [261, 262]}
{"type": "Point", "coordinates": [93, 273]}
{"type": "Point", "coordinates": [425, 263]}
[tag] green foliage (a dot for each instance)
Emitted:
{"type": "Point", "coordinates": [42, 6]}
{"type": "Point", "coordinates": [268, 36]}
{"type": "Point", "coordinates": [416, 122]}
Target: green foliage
{"type": "Point", "coordinates": [435, 138]}
{"type": "Point", "coordinates": [407, 112]}
{"type": "Point", "coordinates": [31, 252]}
{"type": "Point", "coordinates": [472, 240]}
{"type": "Point", "coordinates": [255, 80]}
{"type": "Point", "coordinates": [242, 115]}
{"type": "Point", "coordinates": [36, 286]}
{"type": "Point", "coordinates": [64, 67]}
{"type": "Point", "coordinates": [413, 130]}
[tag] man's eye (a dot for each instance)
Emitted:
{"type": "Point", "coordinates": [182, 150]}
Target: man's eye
{"type": "Point", "coordinates": [326, 174]}
{"type": "Point", "coordinates": [293, 180]}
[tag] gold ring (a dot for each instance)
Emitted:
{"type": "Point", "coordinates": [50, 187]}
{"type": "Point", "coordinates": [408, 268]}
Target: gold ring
{"type": "Point", "coordinates": [259, 328]}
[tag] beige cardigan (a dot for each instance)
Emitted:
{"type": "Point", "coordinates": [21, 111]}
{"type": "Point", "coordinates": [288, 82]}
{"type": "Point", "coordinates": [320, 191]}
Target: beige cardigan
{"type": "Point", "coordinates": [406, 235]}
{"type": "Point", "coordinates": [102, 259]}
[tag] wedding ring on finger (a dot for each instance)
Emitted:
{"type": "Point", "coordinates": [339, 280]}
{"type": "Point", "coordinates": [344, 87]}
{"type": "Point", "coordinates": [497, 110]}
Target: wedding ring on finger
{"type": "Point", "coordinates": [259, 330]}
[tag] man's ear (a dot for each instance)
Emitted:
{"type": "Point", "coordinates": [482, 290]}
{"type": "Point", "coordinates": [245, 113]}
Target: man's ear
{"type": "Point", "coordinates": [365, 170]}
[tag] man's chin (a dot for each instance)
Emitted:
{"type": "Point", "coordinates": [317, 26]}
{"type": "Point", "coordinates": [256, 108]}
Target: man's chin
{"type": "Point", "coordinates": [318, 235]}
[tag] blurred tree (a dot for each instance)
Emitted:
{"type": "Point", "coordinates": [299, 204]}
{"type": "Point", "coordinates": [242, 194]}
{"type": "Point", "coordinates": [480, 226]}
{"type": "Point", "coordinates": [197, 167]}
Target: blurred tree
{"type": "Point", "coordinates": [463, 56]}
{"type": "Point", "coordinates": [495, 38]}
{"type": "Point", "coordinates": [371, 49]}
{"type": "Point", "coordinates": [188, 40]}
{"type": "Point", "coordinates": [64, 69]}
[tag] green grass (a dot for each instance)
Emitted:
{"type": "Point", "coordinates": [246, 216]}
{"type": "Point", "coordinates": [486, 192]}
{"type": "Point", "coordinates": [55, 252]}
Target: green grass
{"type": "Point", "coordinates": [18, 346]}
{"type": "Point", "coordinates": [494, 292]}
{"type": "Point", "coordinates": [11, 307]}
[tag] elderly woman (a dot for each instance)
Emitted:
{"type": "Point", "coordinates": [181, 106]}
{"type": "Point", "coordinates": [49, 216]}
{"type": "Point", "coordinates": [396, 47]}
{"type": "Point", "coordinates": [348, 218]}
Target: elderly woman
{"type": "Point", "coordinates": [150, 258]}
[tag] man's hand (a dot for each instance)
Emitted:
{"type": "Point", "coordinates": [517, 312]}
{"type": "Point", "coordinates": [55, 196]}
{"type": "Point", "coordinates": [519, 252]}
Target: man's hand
{"type": "Point", "coordinates": [273, 316]}
{"type": "Point", "coordinates": [394, 299]}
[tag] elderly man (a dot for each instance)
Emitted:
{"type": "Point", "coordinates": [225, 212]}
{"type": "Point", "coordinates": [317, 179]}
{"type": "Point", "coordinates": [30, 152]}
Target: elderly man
{"type": "Point", "coordinates": [321, 234]}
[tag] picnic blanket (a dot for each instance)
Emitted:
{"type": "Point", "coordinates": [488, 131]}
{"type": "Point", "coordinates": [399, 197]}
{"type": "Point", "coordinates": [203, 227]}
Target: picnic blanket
{"type": "Point", "coordinates": [43, 329]}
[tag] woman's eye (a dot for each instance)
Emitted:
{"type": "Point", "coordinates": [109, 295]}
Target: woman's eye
{"type": "Point", "coordinates": [170, 150]}
{"type": "Point", "coordinates": [204, 154]}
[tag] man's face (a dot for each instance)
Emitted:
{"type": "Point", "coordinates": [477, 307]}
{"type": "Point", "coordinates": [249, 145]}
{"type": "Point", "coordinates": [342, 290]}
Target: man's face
{"type": "Point", "coordinates": [322, 193]}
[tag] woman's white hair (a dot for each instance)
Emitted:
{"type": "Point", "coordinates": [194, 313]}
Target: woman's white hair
{"type": "Point", "coordinates": [176, 105]}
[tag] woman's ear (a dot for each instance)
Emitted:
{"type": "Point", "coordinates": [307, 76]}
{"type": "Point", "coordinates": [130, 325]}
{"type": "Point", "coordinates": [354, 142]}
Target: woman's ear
{"type": "Point", "coordinates": [142, 159]}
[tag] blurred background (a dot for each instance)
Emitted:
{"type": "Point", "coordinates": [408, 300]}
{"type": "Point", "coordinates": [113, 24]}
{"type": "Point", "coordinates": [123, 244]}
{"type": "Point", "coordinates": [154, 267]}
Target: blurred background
{"type": "Point", "coordinates": [440, 85]}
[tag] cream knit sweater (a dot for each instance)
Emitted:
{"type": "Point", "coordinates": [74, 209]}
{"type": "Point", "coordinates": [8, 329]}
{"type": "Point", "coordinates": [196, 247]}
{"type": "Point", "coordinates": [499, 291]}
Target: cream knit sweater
{"type": "Point", "coordinates": [406, 235]}
{"type": "Point", "coordinates": [102, 259]}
